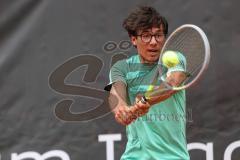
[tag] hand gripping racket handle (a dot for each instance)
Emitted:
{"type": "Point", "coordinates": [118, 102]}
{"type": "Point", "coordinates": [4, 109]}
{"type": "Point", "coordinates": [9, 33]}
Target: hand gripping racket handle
{"type": "Point", "coordinates": [143, 100]}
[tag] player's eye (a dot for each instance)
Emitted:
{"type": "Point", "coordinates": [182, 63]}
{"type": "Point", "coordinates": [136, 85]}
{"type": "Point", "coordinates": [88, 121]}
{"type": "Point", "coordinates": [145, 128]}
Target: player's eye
{"type": "Point", "coordinates": [159, 36]}
{"type": "Point", "coordinates": [146, 35]}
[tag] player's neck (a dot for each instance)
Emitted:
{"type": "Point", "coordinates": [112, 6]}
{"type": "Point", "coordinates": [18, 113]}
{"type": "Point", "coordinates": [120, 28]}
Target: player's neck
{"type": "Point", "coordinates": [144, 61]}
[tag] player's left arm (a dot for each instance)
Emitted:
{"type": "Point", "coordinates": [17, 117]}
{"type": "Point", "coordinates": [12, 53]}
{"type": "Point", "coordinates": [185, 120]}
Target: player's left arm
{"type": "Point", "coordinates": [174, 79]}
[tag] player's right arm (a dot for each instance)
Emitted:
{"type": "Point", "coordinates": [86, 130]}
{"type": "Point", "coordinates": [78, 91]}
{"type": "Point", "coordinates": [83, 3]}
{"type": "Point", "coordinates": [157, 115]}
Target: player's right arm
{"type": "Point", "coordinates": [119, 107]}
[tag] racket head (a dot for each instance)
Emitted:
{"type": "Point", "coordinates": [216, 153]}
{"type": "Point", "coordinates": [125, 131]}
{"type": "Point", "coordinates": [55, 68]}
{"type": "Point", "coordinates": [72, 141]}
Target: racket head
{"type": "Point", "coordinates": [193, 49]}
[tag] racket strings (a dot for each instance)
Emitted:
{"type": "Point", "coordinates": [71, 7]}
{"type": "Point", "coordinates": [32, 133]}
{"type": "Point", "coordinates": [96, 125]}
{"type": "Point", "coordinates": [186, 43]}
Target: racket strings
{"type": "Point", "coordinates": [191, 45]}
{"type": "Point", "coordinates": [188, 42]}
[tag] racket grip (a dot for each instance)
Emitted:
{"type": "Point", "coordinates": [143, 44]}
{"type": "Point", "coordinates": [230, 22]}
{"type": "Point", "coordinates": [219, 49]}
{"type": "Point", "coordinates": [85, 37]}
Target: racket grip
{"type": "Point", "coordinates": [143, 100]}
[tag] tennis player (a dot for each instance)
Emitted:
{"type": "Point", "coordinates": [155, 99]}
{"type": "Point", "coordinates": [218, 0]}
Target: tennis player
{"type": "Point", "coordinates": [156, 130]}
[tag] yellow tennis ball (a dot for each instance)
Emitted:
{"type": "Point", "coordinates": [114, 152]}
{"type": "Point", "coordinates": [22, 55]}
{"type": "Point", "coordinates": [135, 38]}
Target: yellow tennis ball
{"type": "Point", "coordinates": [150, 88]}
{"type": "Point", "coordinates": [170, 59]}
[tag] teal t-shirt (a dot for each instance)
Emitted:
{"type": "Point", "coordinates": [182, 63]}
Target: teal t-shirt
{"type": "Point", "coordinates": [160, 134]}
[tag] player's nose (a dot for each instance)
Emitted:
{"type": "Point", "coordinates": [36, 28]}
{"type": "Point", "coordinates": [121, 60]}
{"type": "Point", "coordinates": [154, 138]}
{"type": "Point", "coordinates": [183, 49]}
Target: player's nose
{"type": "Point", "coordinates": [153, 40]}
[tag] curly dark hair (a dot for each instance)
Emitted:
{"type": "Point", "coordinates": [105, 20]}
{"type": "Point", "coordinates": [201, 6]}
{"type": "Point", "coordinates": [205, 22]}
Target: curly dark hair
{"type": "Point", "coordinates": [144, 17]}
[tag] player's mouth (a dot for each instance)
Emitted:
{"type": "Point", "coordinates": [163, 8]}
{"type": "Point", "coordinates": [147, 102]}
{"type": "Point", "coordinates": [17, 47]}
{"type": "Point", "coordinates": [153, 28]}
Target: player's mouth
{"type": "Point", "coordinates": [153, 51]}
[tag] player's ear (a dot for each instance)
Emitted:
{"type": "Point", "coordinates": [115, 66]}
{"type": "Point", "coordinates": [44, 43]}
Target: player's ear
{"type": "Point", "coordinates": [134, 40]}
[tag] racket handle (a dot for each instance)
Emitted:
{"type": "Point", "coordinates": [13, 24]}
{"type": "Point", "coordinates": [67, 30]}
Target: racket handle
{"type": "Point", "coordinates": [143, 100]}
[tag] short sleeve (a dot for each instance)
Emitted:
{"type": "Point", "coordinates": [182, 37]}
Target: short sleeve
{"type": "Point", "coordinates": [117, 73]}
{"type": "Point", "coordinates": [181, 66]}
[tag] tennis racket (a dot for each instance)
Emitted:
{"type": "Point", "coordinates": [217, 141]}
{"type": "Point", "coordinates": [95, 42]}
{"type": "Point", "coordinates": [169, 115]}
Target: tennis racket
{"type": "Point", "coordinates": [192, 48]}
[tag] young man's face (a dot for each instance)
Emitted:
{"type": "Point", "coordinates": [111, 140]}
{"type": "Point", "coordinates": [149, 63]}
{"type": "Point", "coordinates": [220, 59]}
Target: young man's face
{"type": "Point", "coordinates": [149, 46]}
